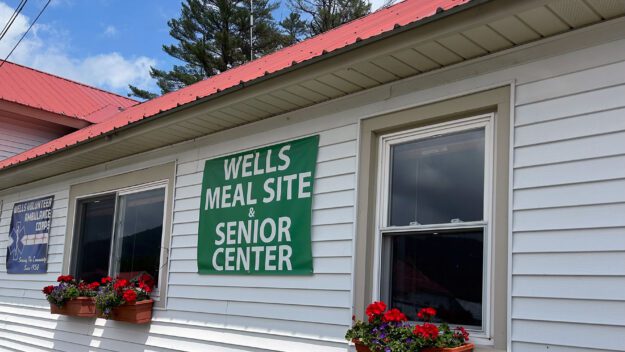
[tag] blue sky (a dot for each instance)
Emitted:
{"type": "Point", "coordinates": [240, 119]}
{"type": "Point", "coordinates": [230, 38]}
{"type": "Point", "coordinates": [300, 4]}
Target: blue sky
{"type": "Point", "coordinates": [105, 43]}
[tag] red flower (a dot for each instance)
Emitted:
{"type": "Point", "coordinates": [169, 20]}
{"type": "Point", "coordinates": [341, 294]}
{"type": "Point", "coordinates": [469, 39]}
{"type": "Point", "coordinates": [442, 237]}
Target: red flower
{"type": "Point", "coordinates": [48, 290]}
{"type": "Point", "coordinates": [426, 313]}
{"type": "Point", "coordinates": [375, 309]}
{"type": "Point", "coordinates": [106, 280]}
{"type": "Point", "coordinates": [130, 296]}
{"type": "Point", "coordinates": [145, 287]}
{"type": "Point", "coordinates": [147, 280]}
{"type": "Point", "coordinates": [394, 315]}
{"type": "Point", "coordinates": [427, 331]}
{"type": "Point", "coordinates": [462, 333]}
{"type": "Point", "coordinates": [65, 278]}
{"type": "Point", "coordinates": [120, 284]}
{"type": "Point", "coordinates": [94, 285]}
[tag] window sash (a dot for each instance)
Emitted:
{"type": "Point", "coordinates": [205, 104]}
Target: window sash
{"type": "Point", "coordinates": [383, 231]}
{"type": "Point", "coordinates": [117, 218]}
{"type": "Point", "coordinates": [386, 275]}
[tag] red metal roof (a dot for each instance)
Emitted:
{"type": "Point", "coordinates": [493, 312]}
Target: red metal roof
{"type": "Point", "coordinates": [375, 24]}
{"type": "Point", "coordinates": [40, 90]}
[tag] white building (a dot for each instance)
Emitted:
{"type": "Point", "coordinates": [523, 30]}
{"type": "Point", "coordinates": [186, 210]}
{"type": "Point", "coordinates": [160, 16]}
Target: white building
{"type": "Point", "coordinates": [471, 157]}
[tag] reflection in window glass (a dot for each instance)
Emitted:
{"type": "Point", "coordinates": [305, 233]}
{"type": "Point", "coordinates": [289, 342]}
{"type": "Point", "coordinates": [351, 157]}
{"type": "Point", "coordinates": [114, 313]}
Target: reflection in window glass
{"type": "Point", "coordinates": [439, 270]}
{"type": "Point", "coordinates": [95, 228]}
{"type": "Point", "coordinates": [438, 180]}
{"type": "Point", "coordinates": [139, 232]}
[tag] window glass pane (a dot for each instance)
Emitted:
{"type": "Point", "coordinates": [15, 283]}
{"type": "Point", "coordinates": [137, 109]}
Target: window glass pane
{"type": "Point", "coordinates": [95, 228]}
{"type": "Point", "coordinates": [438, 180]}
{"type": "Point", "coordinates": [139, 232]}
{"type": "Point", "coordinates": [439, 270]}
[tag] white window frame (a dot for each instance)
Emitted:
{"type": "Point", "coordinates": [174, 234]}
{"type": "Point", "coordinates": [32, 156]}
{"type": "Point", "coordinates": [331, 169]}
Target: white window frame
{"type": "Point", "coordinates": [164, 184]}
{"type": "Point", "coordinates": [386, 142]}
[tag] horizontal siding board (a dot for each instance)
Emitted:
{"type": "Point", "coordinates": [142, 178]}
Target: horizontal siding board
{"type": "Point", "coordinates": [339, 282]}
{"type": "Point", "coordinates": [336, 299]}
{"type": "Point", "coordinates": [569, 150]}
{"type": "Point", "coordinates": [574, 127]}
{"type": "Point", "coordinates": [569, 287]}
{"type": "Point", "coordinates": [572, 105]}
{"type": "Point", "coordinates": [575, 240]}
{"type": "Point", "coordinates": [280, 311]}
{"type": "Point", "coordinates": [589, 263]}
{"type": "Point", "coordinates": [580, 217]}
{"type": "Point", "coordinates": [570, 172]}
{"type": "Point", "coordinates": [571, 83]}
{"type": "Point", "coordinates": [569, 310]}
{"type": "Point", "coordinates": [612, 191]}
{"type": "Point", "coordinates": [570, 334]}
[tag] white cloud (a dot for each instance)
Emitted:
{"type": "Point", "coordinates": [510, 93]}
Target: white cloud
{"type": "Point", "coordinates": [110, 71]}
{"type": "Point", "coordinates": [110, 31]}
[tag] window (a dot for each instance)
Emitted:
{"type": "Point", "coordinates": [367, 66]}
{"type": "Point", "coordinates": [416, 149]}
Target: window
{"type": "Point", "coordinates": [119, 233]}
{"type": "Point", "coordinates": [433, 220]}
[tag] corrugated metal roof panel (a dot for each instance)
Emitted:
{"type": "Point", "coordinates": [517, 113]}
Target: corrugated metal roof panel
{"type": "Point", "coordinates": [44, 91]}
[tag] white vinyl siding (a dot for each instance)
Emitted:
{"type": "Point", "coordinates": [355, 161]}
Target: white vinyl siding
{"type": "Point", "coordinates": [568, 242]}
{"type": "Point", "coordinates": [568, 261]}
{"type": "Point", "coordinates": [216, 313]}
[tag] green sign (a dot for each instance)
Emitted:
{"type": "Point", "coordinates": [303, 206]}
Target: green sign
{"type": "Point", "coordinates": [255, 215]}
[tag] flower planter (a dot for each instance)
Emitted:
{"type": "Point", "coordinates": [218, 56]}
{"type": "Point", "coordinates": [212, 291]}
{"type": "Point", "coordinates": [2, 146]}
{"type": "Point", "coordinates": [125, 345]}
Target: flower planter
{"type": "Point", "coordinates": [136, 313]}
{"type": "Point", "coordinates": [467, 347]}
{"type": "Point", "coordinates": [360, 347]}
{"type": "Point", "coordinates": [77, 307]}
{"type": "Point", "coordinates": [464, 348]}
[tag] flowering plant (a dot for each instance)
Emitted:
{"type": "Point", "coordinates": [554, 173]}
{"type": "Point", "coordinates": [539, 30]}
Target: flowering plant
{"type": "Point", "coordinates": [116, 292]}
{"type": "Point", "coordinates": [69, 288]}
{"type": "Point", "coordinates": [389, 331]}
{"type": "Point", "coordinates": [441, 336]}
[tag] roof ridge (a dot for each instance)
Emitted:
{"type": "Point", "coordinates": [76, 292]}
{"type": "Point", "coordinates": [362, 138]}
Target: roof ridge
{"type": "Point", "coordinates": [71, 81]}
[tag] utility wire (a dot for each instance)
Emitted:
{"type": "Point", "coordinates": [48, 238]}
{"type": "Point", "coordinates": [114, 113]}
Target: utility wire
{"type": "Point", "coordinates": [27, 30]}
{"type": "Point", "coordinates": [9, 23]}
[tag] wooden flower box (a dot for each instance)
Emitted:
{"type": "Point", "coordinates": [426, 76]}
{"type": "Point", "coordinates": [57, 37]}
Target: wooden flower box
{"type": "Point", "coordinates": [467, 347]}
{"type": "Point", "coordinates": [78, 307]}
{"type": "Point", "coordinates": [464, 348]}
{"type": "Point", "coordinates": [360, 347]}
{"type": "Point", "coordinates": [136, 313]}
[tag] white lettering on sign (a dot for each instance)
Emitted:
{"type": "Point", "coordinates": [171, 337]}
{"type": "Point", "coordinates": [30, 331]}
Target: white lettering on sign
{"type": "Point", "coordinates": [251, 165]}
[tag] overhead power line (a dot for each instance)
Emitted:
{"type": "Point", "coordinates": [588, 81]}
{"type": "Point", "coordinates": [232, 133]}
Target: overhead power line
{"type": "Point", "coordinates": [9, 23]}
{"type": "Point", "coordinates": [24, 35]}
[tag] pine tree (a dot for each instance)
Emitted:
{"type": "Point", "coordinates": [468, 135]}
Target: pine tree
{"type": "Point", "coordinates": [327, 14]}
{"type": "Point", "coordinates": [213, 36]}
{"type": "Point", "coordinates": [294, 28]}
